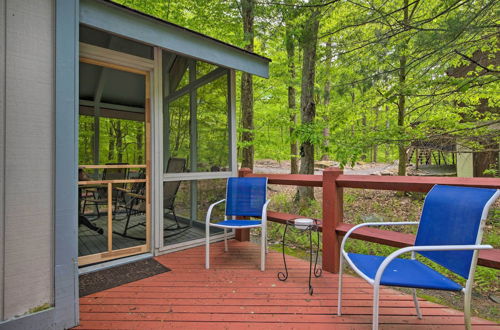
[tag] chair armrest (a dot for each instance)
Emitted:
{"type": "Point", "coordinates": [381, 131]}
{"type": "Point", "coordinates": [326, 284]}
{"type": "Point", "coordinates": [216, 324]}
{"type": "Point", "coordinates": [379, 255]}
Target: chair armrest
{"type": "Point", "coordinates": [209, 212]}
{"type": "Point", "coordinates": [264, 211]}
{"type": "Point", "coordinates": [136, 195]}
{"type": "Point", "coordinates": [373, 224]}
{"type": "Point", "coordinates": [404, 250]}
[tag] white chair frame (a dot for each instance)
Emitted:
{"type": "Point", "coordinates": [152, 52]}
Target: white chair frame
{"type": "Point", "coordinates": [262, 225]}
{"type": "Point", "coordinates": [467, 290]}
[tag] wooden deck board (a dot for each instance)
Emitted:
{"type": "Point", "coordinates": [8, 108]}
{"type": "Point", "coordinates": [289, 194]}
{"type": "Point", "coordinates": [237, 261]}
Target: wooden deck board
{"type": "Point", "coordinates": [234, 294]}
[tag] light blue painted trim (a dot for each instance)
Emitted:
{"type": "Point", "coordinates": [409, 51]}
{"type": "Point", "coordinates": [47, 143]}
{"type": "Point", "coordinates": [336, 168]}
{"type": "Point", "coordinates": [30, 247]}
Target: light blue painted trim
{"type": "Point", "coordinates": [231, 101]}
{"type": "Point", "coordinates": [40, 320]}
{"type": "Point", "coordinates": [66, 312]}
{"type": "Point", "coordinates": [140, 28]}
{"type": "Point", "coordinates": [3, 112]}
{"type": "Point", "coordinates": [193, 134]}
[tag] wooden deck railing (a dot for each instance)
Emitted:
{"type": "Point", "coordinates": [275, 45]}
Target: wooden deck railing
{"type": "Point", "coordinates": [333, 181]}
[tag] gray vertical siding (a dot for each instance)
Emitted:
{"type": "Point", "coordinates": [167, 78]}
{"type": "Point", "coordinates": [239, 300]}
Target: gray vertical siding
{"type": "Point", "coordinates": [2, 147]}
{"type": "Point", "coordinates": [29, 156]}
{"type": "Point", "coordinates": [66, 164]}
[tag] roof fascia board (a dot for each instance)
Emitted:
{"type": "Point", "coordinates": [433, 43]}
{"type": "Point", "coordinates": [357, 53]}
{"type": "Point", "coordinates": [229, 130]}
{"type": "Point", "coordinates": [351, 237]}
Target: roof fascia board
{"type": "Point", "coordinates": [116, 20]}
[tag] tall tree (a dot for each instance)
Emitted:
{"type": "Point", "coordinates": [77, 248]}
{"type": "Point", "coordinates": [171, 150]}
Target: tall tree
{"type": "Point", "coordinates": [292, 106]}
{"type": "Point", "coordinates": [139, 132]}
{"type": "Point", "coordinates": [309, 42]}
{"type": "Point", "coordinates": [402, 93]}
{"type": "Point", "coordinates": [326, 98]}
{"type": "Point", "coordinates": [247, 14]}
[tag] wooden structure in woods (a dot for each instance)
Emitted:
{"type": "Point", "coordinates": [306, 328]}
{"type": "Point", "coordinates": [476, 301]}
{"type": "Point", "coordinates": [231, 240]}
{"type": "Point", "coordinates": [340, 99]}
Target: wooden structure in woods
{"type": "Point", "coordinates": [473, 163]}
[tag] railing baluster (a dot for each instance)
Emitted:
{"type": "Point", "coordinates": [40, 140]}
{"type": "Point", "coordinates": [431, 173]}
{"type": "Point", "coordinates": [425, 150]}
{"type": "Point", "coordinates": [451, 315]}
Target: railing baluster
{"type": "Point", "coordinates": [110, 217]}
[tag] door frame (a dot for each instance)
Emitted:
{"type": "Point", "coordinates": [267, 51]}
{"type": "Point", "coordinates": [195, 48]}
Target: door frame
{"type": "Point", "coordinates": [108, 58]}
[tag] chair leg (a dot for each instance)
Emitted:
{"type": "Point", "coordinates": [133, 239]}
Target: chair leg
{"type": "Point", "coordinates": [417, 306]}
{"type": "Point", "coordinates": [207, 246]}
{"type": "Point", "coordinates": [341, 271]}
{"type": "Point", "coordinates": [267, 245]}
{"type": "Point", "coordinates": [96, 206]}
{"type": "Point", "coordinates": [467, 313]}
{"type": "Point", "coordinates": [263, 250]}
{"type": "Point", "coordinates": [376, 292]}
{"type": "Point", "coordinates": [129, 213]}
{"type": "Point", "coordinates": [225, 240]}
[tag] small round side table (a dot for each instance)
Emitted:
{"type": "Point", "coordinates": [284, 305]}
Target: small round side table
{"type": "Point", "coordinates": [309, 225]}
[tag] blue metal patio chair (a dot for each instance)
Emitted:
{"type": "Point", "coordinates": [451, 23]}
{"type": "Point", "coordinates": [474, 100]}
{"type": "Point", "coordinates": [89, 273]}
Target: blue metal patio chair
{"type": "Point", "coordinates": [449, 233]}
{"type": "Point", "coordinates": [245, 197]}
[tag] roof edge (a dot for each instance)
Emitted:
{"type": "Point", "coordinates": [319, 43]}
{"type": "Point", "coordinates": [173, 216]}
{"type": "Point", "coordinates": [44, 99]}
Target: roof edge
{"type": "Point", "coordinates": [135, 11]}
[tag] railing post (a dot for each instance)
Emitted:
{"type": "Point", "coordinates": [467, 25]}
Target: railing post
{"type": "Point", "coordinates": [243, 234]}
{"type": "Point", "coordinates": [333, 211]}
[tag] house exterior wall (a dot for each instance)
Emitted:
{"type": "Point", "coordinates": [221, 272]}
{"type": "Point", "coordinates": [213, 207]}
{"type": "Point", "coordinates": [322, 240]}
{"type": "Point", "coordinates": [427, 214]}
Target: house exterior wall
{"type": "Point", "coordinates": [27, 161]}
{"type": "Point", "coordinates": [2, 146]}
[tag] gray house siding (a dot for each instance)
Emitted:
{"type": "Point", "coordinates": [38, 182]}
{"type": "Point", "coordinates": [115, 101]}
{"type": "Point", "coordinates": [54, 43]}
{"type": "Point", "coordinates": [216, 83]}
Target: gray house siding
{"type": "Point", "coordinates": [2, 148]}
{"type": "Point", "coordinates": [27, 161]}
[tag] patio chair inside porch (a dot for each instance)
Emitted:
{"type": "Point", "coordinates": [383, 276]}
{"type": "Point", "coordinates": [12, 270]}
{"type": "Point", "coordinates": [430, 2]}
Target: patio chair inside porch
{"type": "Point", "coordinates": [170, 189]}
{"type": "Point", "coordinates": [449, 234]}
{"type": "Point", "coordinates": [133, 201]}
{"type": "Point", "coordinates": [99, 195]}
{"type": "Point", "coordinates": [245, 197]}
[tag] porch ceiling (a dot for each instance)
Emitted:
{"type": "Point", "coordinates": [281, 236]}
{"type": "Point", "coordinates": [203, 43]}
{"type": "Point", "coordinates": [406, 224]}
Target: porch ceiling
{"type": "Point", "coordinates": [118, 87]}
{"type": "Point", "coordinates": [126, 22]}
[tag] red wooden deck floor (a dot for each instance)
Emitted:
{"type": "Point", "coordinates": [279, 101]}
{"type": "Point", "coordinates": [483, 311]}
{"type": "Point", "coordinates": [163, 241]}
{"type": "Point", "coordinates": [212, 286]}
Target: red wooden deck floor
{"type": "Point", "coordinates": [234, 294]}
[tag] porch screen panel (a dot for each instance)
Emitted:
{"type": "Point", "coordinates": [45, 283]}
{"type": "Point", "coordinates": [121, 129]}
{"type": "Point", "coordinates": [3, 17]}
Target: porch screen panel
{"type": "Point", "coordinates": [213, 132]}
{"type": "Point", "coordinates": [179, 132]}
{"type": "Point", "coordinates": [190, 205]}
{"type": "Point", "coordinates": [211, 191]}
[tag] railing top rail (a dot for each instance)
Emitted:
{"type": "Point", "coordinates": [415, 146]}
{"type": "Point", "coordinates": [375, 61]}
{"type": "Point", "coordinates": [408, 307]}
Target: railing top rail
{"type": "Point", "coordinates": [97, 182]}
{"type": "Point", "coordinates": [402, 183]}
{"type": "Point", "coordinates": [111, 166]}
{"type": "Point", "coordinates": [292, 179]}
{"type": "Point", "coordinates": [411, 183]}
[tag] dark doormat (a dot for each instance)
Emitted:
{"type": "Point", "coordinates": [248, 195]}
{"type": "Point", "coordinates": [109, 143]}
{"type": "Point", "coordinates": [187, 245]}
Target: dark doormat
{"type": "Point", "coordinates": [112, 277]}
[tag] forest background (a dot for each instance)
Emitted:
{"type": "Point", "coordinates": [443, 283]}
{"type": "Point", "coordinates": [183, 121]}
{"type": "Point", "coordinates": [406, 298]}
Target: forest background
{"type": "Point", "coordinates": [353, 80]}
{"type": "Point", "coordinates": [356, 79]}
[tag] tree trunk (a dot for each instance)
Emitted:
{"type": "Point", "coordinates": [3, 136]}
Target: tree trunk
{"type": "Point", "coordinates": [307, 105]}
{"type": "Point", "coordinates": [119, 141]}
{"type": "Point", "coordinates": [326, 99]}
{"type": "Point", "coordinates": [111, 143]}
{"type": "Point", "coordinates": [402, 101]}
{"type": "Point", "coordinates": [387, 126]}
{"type": "Point", "coordinates": [363, 125]}
{"type": "Point", "coordinates": [138, 139]}
{"type": "Point", "coordinates": [292, 104]}
{"type": "Point", "coordinates": [247, 14]}
{"type": "Point", "coordinates": [375, 146]}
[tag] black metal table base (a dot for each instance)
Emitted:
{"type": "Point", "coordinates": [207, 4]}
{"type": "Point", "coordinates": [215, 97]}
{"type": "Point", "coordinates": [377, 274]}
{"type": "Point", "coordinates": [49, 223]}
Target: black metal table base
{"type": "Point", "coordinates": [283, 276]}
